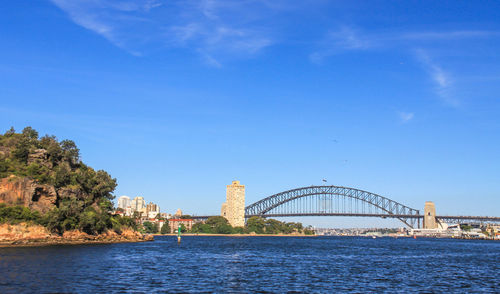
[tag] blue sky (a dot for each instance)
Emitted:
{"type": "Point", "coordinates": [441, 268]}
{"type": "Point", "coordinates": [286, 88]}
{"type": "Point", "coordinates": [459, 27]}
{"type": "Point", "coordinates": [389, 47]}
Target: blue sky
{"type": "Point", "coordinates": [178, 98]}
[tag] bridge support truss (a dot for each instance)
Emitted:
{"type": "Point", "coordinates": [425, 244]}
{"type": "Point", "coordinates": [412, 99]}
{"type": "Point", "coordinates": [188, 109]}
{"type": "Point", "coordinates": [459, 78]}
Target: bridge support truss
{"type": "Point", "coordinates": [332, 200]}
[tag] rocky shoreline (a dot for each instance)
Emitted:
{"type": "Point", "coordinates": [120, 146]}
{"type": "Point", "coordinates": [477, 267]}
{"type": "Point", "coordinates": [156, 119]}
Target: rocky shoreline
{"type": "Point", "coordinates": [21, 235]}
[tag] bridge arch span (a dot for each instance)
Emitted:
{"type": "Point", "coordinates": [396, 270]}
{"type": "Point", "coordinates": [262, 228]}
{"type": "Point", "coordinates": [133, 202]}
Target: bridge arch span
{"type": "Point", "coordinates": [331, 200]}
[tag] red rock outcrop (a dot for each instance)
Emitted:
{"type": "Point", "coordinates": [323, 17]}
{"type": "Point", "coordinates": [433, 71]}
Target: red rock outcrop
{"type": "Point", "coordinates": [24, 234]}
{"type": "Point", "coordinates": [41, 157]}
{"type": "Point", "coordinates": [24, 191]}
{"type": "Point", "coordinates": [23, 231]}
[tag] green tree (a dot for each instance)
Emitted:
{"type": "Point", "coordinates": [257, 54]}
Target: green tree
{"type": "Point", "coordinates": [54, 150]}
{"type": "Point", "coordinates": [29, 132]}
{"type": "Point", "coordinates": [22, 150]}
{"type": "Point", "coordinates": [150, 228]}
{"type": "Point", "coordinates": [239, 230]}
{"type": "Point", "coordinates": [4, 168]}
{"type": "Point", "coordinates": [62, 176]}
{"type": "Point", "coordinates": [273, 226]}
{"type": "Point", "coordinates": [466, 227]}
{"type": "Point", "coordinates": [296, 227]}
{"type": "Point", "coordinates": [202, 228]}
{"type": "Point", "coordinates": [38, 172]}
{"type": "Point", "coordinates": [10, 132]}
{"type": "Point", "coordinates": [70, 151]}
{"type": "Point", "coordinates": [93, 221]}
{"type": "Point", "coordinates": [219, 225]}
{"type": "Point", "coordinates": [165, 229]}
{"type": "Point", "coordinates": [136, 215]}
{"type": "Point", "coordinates": [104, 185]}
{"type": "Point", "coordinates": [309, 231]}
{"type": "Point", "coordinates": [216, 221]}
{"type": "Point", "coordinates": [256, 224]}
{"type": "Point", "coordinates": [17, 214]}
{"type": "Point", "coordinates": [126, 221]}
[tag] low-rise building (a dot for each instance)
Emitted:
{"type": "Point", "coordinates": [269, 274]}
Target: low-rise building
{"type": "Point", "coordinates": [174, 223]}
{"type": "Point", "coordinates": [165, 215]}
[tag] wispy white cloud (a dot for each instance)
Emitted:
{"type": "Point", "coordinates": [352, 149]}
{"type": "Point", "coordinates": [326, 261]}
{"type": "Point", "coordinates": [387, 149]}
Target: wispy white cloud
{"type": "Point", "coordinates": [349, 39]}
{"type": "Point", "coordinates": [450, 35]}
{"type": "Point", "coordinates": [442, 80]}
{"type": "Point", "coordinates": [215, 29]}
{"type": "Point", "coordinates": [209, 59]}
{"type": "Point", "coordinates": [405, 116]}
{"type": "Point", "coordinates": [342, 40]}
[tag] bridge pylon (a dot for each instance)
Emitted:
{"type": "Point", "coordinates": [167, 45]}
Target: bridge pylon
{"type": "Point", "coordinates": [430, 215]}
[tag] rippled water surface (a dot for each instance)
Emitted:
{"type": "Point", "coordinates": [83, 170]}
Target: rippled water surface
{"type": "Point", "coordinates": [251, 264]}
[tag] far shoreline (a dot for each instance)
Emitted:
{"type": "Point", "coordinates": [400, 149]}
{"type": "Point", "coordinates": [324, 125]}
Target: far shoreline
{"type": "Point", "coordinates": [235, 235]}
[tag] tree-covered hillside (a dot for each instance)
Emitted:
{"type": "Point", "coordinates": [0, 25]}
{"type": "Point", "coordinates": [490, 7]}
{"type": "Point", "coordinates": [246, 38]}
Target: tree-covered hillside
{"type": "Point", "coordinates": [49, 161]}
{"type": "Point", "coordinates": [83, 194]}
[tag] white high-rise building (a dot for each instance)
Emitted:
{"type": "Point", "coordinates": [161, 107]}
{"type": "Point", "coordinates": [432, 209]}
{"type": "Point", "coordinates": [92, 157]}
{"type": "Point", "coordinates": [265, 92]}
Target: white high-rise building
{"type": "Point", "coordinates": [138, 204]}
{"type": "Point", "coordinates": [123, 202]}
{"type": "Point", "coordinates": [234, 207]}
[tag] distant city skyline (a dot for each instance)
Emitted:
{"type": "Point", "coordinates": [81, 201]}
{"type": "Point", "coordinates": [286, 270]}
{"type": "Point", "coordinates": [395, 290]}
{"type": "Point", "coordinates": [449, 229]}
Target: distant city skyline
{"type": "Point", "coordinates": [178, 99]}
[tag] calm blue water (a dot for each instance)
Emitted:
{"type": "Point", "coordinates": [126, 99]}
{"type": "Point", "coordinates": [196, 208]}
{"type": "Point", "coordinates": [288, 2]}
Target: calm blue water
{"type": "Point", "coordinates": [256, 264]}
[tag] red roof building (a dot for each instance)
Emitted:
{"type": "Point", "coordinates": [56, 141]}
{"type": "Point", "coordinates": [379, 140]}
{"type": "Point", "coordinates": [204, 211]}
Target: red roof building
{"type": "Point", "coordinates": [174, 223]}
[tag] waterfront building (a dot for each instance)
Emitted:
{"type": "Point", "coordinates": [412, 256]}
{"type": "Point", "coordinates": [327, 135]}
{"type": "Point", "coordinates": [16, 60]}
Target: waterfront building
{"type": "Point", "coordinates": [152, 210]}
{"type": "Point", "coordinates": [234, 207]}
{"type": "Point", "coordinates": [123, 202]}
{"type": "Point", "coordinates": [175, 222]}
{"type": "Point", "coordinates": [442, 230]}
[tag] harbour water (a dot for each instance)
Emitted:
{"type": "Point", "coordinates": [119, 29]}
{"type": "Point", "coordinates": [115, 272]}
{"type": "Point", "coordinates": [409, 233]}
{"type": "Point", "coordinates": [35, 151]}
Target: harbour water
{"type": "Point", "coordinates": [256, 264]}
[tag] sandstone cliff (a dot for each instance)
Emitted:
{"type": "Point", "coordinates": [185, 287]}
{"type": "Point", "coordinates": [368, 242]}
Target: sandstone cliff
{"type": "Point", "coordinates": [24, 191]}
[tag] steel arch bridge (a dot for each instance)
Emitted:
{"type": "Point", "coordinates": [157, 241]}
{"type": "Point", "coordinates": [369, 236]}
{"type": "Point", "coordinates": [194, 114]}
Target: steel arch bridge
{"type": "Point", "coordinates": [344, 201]}
{"type": "Point", "coordinates": [332, 201]}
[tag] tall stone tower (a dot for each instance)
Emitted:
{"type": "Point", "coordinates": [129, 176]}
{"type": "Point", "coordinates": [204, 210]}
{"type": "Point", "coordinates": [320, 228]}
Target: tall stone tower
{"type": "Point", "coordinates": [430, 215]}
{"type": "Point", "coordinates": [234, 207]}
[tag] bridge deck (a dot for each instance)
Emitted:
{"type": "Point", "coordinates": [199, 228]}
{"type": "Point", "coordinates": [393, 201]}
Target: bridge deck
{"type": "Point", "coordinates": [414, 216]}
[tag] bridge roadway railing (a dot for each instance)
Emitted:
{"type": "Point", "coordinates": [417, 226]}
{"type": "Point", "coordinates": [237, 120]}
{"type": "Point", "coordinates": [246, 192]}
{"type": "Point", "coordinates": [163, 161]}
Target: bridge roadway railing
{"type": "Point", "coordinates": [465, 219]}
{"type": "Point", "coordinates": [336, 214]}
{"type": "Point", "coordinates": [449, 218]}
{"type": "Point", "coordinates": [445, 218]}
